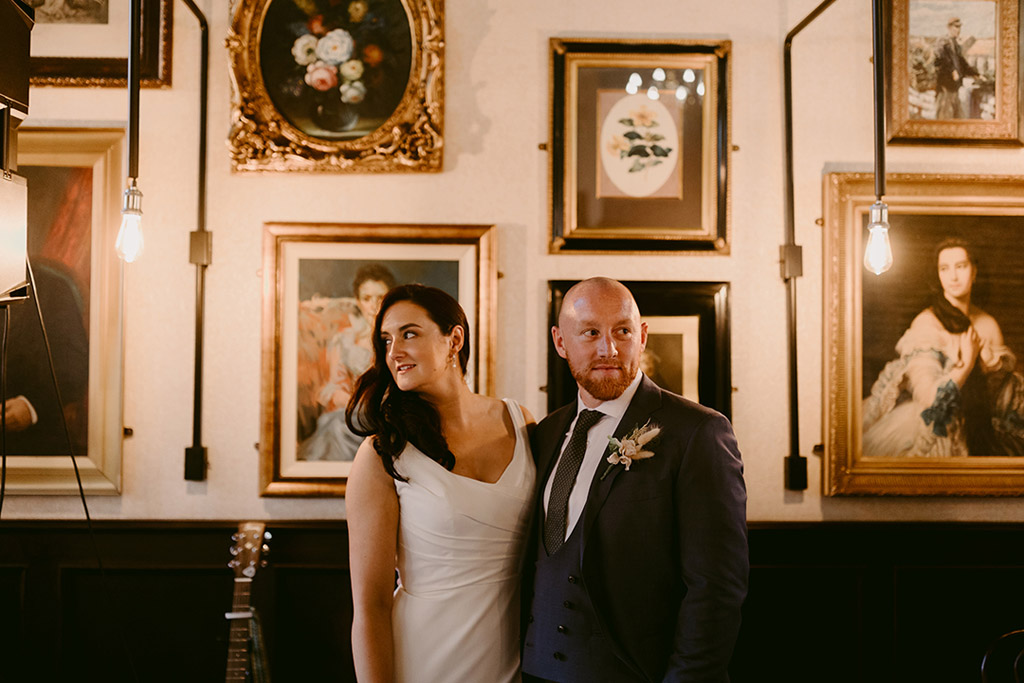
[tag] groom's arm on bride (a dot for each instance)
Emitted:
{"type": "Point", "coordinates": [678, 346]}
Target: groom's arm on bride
{"type": "Point", "coordinates": [714, 557]}
{"type": "Point", "coordinates": [371, 506]}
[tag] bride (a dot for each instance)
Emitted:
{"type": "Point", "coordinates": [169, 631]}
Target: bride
{"type": "Point", "coordinates": [440, 490]}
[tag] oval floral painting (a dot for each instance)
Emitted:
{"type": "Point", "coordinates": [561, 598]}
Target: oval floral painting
{"type": "Point", "coordinates": [336, 69]}
{"type": "Point", "coordinates": [640, 140]}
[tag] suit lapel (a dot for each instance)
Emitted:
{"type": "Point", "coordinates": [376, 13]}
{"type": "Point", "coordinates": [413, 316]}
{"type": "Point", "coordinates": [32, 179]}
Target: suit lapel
{"type": "Point", "coordinates": [646, 400]}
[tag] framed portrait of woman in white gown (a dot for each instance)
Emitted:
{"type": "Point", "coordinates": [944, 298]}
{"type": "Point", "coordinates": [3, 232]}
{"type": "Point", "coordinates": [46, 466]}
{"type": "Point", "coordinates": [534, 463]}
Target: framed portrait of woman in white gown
{"type": "Point", "coordinates": [323, 284]}
{"type": "Point", "coordinates": [923, 383]}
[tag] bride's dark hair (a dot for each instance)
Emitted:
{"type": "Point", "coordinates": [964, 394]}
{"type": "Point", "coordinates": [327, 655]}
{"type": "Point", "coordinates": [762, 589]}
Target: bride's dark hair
{"type": "Point", "coordinates": [393, 417]}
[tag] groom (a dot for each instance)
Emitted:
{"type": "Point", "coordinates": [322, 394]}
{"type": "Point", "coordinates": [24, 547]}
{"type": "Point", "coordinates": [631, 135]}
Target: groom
{"type": "Point", "coordinates": [638, 574]}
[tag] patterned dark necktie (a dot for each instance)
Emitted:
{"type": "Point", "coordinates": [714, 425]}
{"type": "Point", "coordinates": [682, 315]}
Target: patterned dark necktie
{"type": "Point", "coordinates": [565, 477]}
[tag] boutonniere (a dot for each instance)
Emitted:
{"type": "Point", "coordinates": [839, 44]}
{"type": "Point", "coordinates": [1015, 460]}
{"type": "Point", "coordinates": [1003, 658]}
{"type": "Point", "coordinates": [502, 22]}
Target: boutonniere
{"type": "Point", "coordinates": [631, 447]}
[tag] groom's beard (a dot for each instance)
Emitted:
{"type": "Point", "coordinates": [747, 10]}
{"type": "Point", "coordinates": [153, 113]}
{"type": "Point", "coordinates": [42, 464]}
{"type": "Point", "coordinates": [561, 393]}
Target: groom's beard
{"type": "Point", "coordinates": [604, 385]}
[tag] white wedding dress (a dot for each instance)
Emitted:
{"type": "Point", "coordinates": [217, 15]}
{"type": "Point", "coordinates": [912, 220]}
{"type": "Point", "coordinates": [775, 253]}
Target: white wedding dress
{"type": "Point", "coordinates": [460, 547]}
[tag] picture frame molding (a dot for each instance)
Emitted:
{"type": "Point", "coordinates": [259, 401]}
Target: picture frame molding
{"type": "Point", "coordinates": [99, 468]}
{"type": "Point", "coordinates": [155, 59]}
{"type": "Point", "coordinates": [411, 140]}
{"type": "Point", "coordinates": [1008, 126]}
{"type": "Point", "coordinates": [713, 235]}
{"type": "Point", "coordinates": [276, 235]}
{"type": "Point", "coordinates": [845, 471]}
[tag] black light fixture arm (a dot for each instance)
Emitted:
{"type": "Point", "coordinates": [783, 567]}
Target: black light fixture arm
{"type": "Point", "coordinates": [135, 19]}
{"type": "Point", "coordinates": [792, 265]}
{"type": "Point", "coordinates": [201, 255]}
{"type": "Point", "coordinates": [878, 62]}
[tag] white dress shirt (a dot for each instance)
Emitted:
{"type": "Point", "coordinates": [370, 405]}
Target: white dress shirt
{"type": "Point", "coordinates": [597, 443]}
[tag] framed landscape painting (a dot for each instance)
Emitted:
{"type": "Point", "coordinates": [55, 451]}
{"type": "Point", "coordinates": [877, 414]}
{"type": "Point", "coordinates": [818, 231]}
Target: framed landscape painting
{"type": "Point", "coordinates": [323, 284]}
{"type": "Point", "coordinates": [924, 393]}
{"type": "Point", "coordinates": [639, 146]}
{"type": "Point", "coordinates": [955, 73]}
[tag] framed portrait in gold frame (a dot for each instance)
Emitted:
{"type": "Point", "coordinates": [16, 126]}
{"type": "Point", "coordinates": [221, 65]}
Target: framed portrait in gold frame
{"type": "Point", "coordinates": [923, 392]}
{"type": "Point", "coordinates": [322, 284]}
{"type": "Point", "coordinates": [336, 87]}
{"type": "Point", "coordinates": [954, 71]}
{"type": "Point", "coordinates": [74, 199]}
{"type": "Point", "coordinates": [639, 146]}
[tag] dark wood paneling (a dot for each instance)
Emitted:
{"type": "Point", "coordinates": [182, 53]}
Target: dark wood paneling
{"type": "Point", "coordinates": [837, 602]}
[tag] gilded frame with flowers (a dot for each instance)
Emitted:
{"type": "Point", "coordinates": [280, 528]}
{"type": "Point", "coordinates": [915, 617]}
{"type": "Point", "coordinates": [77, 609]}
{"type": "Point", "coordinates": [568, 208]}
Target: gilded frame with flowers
{"type": "Point", "coordinates": [639, 148]}
{"type": "Point", "coordinates": [888, 355]}
{"type": "Point", "coordinates": [366, 95]}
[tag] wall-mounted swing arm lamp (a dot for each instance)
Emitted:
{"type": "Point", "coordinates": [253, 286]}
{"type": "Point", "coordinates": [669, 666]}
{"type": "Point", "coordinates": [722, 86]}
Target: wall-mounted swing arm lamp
{"type": "Point", "coordinates": [877, 255]}
{"type": "Point", "coordinates": [129, 239]}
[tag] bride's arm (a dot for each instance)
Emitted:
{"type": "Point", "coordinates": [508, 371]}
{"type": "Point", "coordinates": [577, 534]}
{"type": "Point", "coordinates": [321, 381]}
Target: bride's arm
{"type": "Point", "coordinates": [371, 505]}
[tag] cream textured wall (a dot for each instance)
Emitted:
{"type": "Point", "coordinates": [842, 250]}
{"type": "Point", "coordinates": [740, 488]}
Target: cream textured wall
{"type": "Point", "coordinates": [496, 111]}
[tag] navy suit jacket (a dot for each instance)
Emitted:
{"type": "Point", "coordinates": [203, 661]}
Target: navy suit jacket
{"type": "Point", "coordinates": [665, 557]}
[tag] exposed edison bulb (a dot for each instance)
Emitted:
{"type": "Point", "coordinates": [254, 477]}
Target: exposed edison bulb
{"type": "Point", "coordinates": [659, 74]}
{"type": "Point", "coordinates": [689, 76]}
{"type": "Point", "coordinates": [878, 253]}
{"type": "Point", "coordinates": [652, 93]}
{"type": "Point", "coordinates": [129, 237]}
{"type": "Point", "coordinates": [681, 93]}
{"type": "Point", "coordinates": [700, 89]}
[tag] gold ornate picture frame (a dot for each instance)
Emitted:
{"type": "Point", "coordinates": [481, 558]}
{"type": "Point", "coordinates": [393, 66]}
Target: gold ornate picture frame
{"type": "Point", "coordinates": [349, 87]}
{"type": "Point", "coordinates": [639, 148]}
{"type": "Point", "coordinates": [955, 75]}
{"type": "Point", "coordinates": [912, 406]}
{"type": "Point", "coordinates": [322, 284]}
{"type": "Point", "coordinates": [74, 181]}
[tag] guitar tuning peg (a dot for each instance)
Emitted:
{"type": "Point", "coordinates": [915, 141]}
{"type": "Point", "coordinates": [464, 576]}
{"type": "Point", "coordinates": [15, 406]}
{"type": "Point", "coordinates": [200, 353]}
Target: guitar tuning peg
{"type": "Point", "coordinates": [234, 536]}
{"type": "Point", "coordinates": [266, 548]}
{"type": "Point", "coordinates": [263, 564]}
{"type": "Point", "coordinates": [233, 563]}
{"type": "Point", "coordinates": [267, 536]}
{"type": "Point", "coordinates": [234, 550]}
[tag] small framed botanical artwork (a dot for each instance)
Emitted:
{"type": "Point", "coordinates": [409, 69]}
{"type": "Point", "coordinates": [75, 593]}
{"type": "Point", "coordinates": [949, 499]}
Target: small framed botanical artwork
{"type": "Point", "coordinates": [687, 348]}
{"type": "Point", "coordinates": [86, 43]}
{"type": "Point", "coordinates": [74, 197]}
{"type": "Point", "coordinates": [924, 393]}
{"type": "Point", "coordinates": [639, 146]}
{"type": "Point", "coordinates": [335, 87]}
{"type": "Point", "coordinates": [955, 73]}
{"type": "Point", "coordinates": [323, 284]}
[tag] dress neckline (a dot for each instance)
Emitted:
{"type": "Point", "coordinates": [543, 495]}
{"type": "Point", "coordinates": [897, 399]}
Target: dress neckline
{"type": "Point", "coordinates": [508, 466]}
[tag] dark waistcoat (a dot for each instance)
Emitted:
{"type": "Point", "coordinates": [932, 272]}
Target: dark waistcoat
{"type": "Point", "coordinates": [564, 641]}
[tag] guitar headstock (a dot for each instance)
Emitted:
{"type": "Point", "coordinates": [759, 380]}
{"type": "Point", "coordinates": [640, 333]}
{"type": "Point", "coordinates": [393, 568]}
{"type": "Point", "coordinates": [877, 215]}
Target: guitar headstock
{"type": "Point", "coordinates": [248, 549]}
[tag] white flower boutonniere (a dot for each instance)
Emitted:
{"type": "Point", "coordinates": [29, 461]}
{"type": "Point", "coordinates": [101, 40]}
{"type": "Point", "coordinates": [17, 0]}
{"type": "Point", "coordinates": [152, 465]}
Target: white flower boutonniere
{"type": "Point", "coordinates": [631, 447]}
